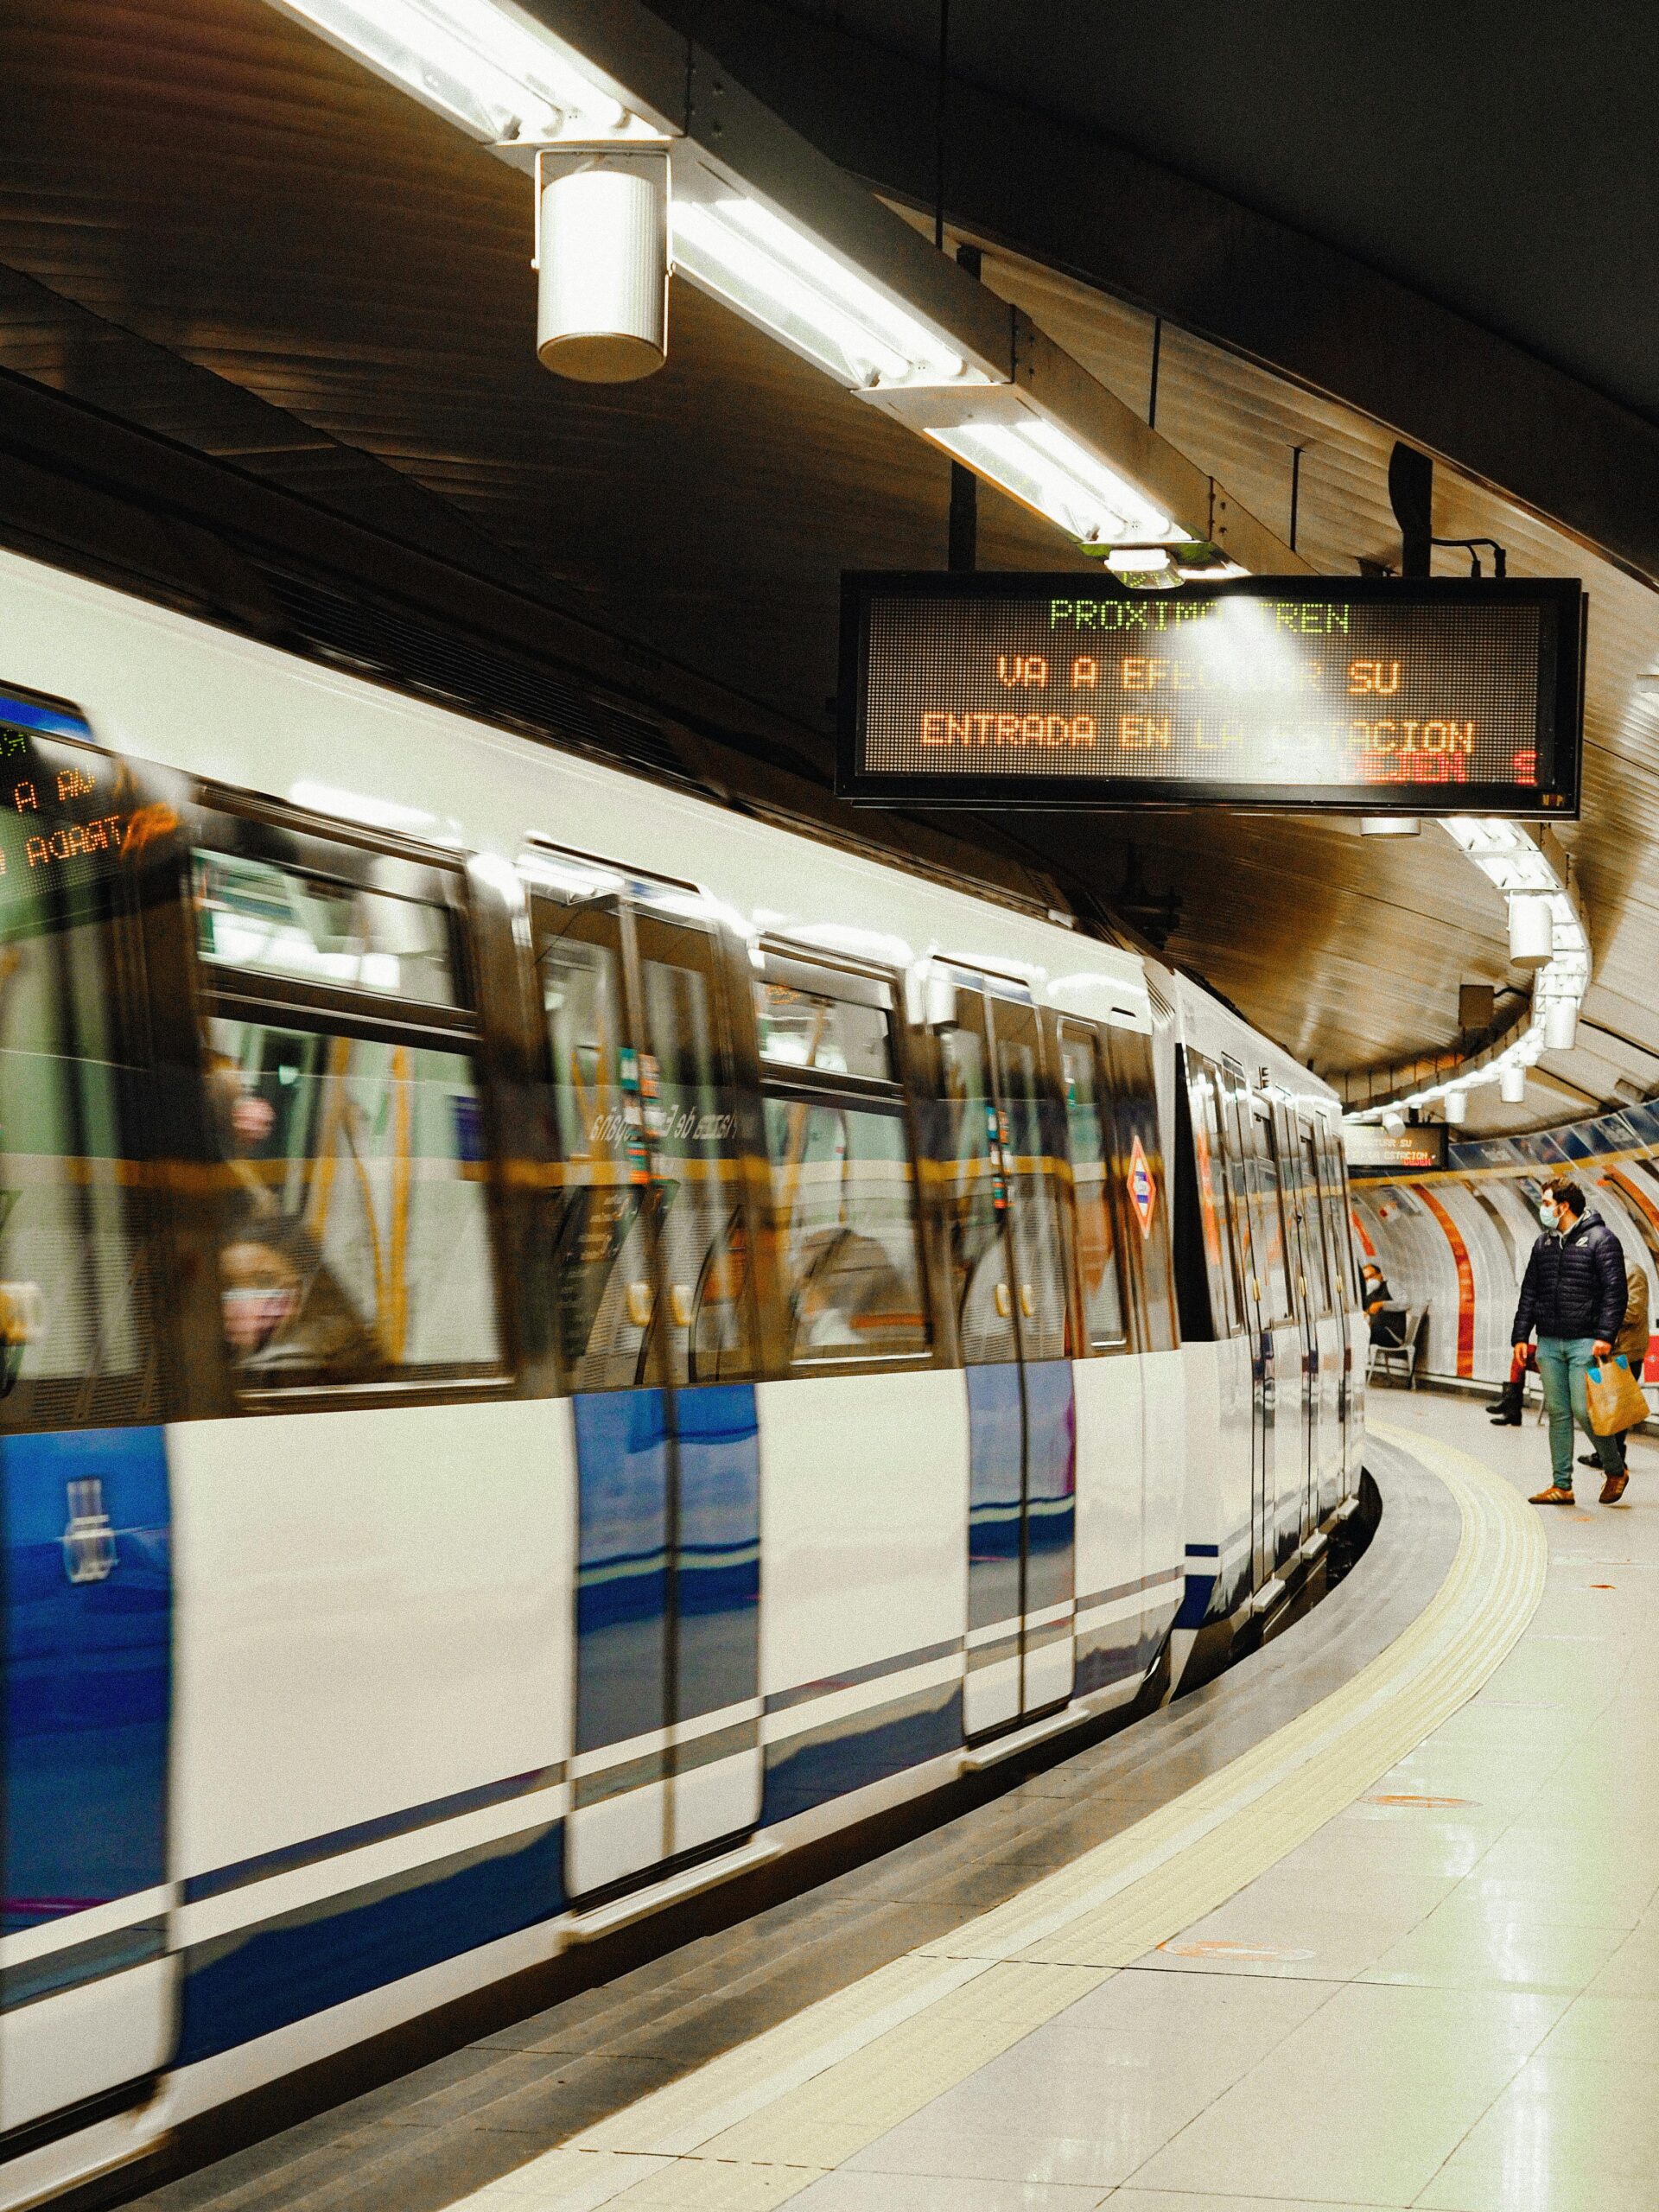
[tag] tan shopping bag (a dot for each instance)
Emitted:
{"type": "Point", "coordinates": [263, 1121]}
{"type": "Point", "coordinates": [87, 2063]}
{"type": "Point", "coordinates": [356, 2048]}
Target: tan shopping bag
{"type": "Point", "coordinates": [1615, 1396]}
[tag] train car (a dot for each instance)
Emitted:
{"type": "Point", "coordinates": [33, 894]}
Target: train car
{"type": "Point", "coordinates": [559, 1342]}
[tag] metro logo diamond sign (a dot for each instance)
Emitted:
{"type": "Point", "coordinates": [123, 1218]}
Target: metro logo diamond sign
{"type": "Point", "coordinates": [1361, 695]}
{"type": "Point", "coordinates": [1143, 1191]}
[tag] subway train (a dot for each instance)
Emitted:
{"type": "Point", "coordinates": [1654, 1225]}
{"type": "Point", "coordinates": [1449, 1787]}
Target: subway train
{"type": "Point", "coordinates": [559, 1342]}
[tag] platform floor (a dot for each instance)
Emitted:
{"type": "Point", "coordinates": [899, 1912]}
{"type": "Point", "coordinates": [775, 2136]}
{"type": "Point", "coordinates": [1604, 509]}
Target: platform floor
{"type": "Point", "coordinates": [1372, 1921]}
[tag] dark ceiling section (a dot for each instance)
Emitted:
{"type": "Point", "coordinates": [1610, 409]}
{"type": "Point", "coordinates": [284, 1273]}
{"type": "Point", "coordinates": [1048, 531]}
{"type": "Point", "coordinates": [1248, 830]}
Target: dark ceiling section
{"type": "Point", "coordinates": [1173, 158]}
{"type": "Point", "coordinates": [1500, 160]}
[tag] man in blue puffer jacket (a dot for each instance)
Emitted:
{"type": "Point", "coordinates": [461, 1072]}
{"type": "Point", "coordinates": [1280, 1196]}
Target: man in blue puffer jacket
{"type": "Point", "coordinates": [1574, 1296]}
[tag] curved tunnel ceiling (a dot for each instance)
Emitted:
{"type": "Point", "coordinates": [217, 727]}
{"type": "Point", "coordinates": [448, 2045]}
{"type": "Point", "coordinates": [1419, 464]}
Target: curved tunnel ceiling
{"type": "Point", "coordinates": [215, 226]}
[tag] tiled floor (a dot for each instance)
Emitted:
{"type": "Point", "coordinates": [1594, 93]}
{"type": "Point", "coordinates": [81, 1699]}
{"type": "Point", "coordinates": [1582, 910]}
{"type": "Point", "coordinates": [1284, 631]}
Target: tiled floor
{"type": "Point", "coordinates": [1449, 2004]}
{"type": "Point", "coordinates": [1448, 1996]}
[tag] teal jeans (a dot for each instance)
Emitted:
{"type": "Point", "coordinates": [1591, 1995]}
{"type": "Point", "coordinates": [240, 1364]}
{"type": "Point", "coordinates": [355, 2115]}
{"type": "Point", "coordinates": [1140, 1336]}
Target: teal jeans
{"type": "Point", "coordinates": [1563, 1363]}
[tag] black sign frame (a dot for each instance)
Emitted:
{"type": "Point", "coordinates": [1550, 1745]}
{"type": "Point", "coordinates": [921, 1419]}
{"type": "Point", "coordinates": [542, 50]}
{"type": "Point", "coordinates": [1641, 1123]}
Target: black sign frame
{"type": "Point", "coordinates": [1559, 723]}
{"type": "Point", "coordinates": [1433, 1136]}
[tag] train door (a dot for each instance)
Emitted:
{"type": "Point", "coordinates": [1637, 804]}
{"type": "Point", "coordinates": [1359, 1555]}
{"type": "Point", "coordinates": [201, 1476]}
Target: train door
{"type": "Point", "coordinates": [1274, 1250]}
{"type": "Point", "coordinates": [1000, 1152]}
{"type": "Point", "coordinates": [1301, 1199]}
{"type": "Point", "coordinates": [1238, 1137]}
{"type": "Point", "coordinates": [1330, 1327]}
{"type": "Point", "coordinates": [655, 1320]}
{"type": "Point", "coordinates": [89, 1990]}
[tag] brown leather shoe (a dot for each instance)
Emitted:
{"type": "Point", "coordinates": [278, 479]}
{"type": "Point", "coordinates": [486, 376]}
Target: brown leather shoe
{"type": "Point", "coordinates": [1553, 1496]}
{"type": "Point", "coordinates": [1613, 1488]}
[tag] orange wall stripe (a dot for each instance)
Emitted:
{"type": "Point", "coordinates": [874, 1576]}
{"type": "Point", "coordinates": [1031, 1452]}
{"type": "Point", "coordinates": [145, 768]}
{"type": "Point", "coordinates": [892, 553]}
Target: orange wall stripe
{"type": "Point", "coordinates": [1465, 1281]}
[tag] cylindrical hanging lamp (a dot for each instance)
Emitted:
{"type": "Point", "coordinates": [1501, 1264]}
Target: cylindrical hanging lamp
{"type": "Point", "coordinates": [1532, 929]}
{"type": "Point", "coordinates": [1512, 1085]}
{"type": "Point", "coordinates": [1457, 1108]}
{"type": "Point", "coordinates": [1561, 1025]}
{"type": "Point", "coordinates": [601, 310]}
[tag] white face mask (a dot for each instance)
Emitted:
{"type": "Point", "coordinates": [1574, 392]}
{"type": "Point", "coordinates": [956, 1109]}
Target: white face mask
{"type": "Point", "coordinates": [1548, 1215]}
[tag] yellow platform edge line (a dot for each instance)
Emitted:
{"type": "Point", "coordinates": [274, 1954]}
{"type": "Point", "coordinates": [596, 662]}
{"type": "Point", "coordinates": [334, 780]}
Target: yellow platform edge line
{"type": "Point", "coordinates": [759, 2123]}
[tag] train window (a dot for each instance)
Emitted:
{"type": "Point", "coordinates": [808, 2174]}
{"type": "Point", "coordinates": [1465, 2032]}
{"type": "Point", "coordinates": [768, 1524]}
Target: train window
{"type": "Point", "coordinates": [1140, 1189]}
{"type": "Point", "coordinates": [1220, 1248]}
{"type": "Point", "coordinates": [1096, 1244]}
{"type": "Point", "coordinates": [649, 1251]}
{"type": "Point", "coordinates": [832, 1034]}
{"type": "Point", "coordinates": [1315, 1256]}
{"type": "Point", "coordinates": [691, 1124]}
{"type": "Point", "coordinates": [255, 914]}
{"type": "Point", "coordinates": [1032, 1173]}
{"type": "Point", "coordinates": [602, 1286]}
{"type": "Point", "coordinates": [843, 1181]}
{"type": "Point", "coordinates": [357, 1249]}
{"type": "Point", "coordinates": [1266, 1221]}
{"type": "Point", "coordinates": [974, 1190]}
{"type": "Point", "coordinates": [343, 1103]}
{"type": "Point", "coordinates": [77, 1342]}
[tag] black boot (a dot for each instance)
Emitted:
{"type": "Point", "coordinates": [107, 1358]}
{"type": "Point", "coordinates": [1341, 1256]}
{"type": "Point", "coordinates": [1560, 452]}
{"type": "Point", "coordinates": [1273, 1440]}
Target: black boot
{"type": "Point", "coordinates": [1506, 1412]}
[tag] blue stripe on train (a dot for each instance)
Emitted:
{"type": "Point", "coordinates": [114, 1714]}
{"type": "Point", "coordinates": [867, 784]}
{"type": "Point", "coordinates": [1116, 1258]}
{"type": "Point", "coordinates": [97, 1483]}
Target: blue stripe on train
{"type": "Point", "coordinates": [250, 1983]}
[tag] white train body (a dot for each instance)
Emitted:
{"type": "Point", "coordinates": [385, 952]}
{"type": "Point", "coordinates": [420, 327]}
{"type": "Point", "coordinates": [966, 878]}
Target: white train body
{"type": "Point", "coordinates": [431, 1544]}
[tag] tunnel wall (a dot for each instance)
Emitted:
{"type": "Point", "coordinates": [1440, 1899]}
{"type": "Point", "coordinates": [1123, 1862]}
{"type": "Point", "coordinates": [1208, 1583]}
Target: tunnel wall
{"type": "Point", "coordinates": [1456, 1243]}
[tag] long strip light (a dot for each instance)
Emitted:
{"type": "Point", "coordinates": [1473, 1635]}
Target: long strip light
{"type": "Point", "coordinates": [773, 275]}
{"type": "Point", "coordinates": [1513, 861]}
{"type": "Point", "coordinates": [488, 68]}
{"type": "Point", "coordinates": [1048, 470]}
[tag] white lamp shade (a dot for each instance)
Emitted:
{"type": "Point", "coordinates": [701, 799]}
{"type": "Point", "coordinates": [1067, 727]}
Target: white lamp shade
{"type": "Point", "coordinates": [1532, 930]}
{"type": "Point", "coordinates": [602, 310]}
{"type": "Point", "coordinates": [1457, 1108]}
{"type": "Point", "coordinates": [1561, 1025]}
{"type": "Point", "coordinates": [1512, 1085]}
{"type": "Point", "coordinates": [1392, 1120]}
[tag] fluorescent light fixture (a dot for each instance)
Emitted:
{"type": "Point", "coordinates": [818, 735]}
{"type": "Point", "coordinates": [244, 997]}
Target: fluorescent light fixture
{"type": "Point", "coordinates": [500, 76]}
{"type": "Point", "coordinates": [359, 806]}
{"type": "Point", "coordinates": [776, 277]}
{"type": "Point", "coordinates": [1043, 466]}
{"type": "Point", "coordinates": [1389, 825]}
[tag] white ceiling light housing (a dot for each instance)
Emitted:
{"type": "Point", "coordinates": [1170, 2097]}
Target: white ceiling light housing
{"type": "Point", "coordinates": [1561, 1025]}
{"type": "Point", "coordinates": [1512, 1084]}
{"type": "Point", "coordinates": [1532, 930]}
{"type": "Point", "coordinates": [1389, 825]}
{"type": "Point", "coordinates": [1457, 1108]}
{"type": "Point", "coordinates": [602, 240]}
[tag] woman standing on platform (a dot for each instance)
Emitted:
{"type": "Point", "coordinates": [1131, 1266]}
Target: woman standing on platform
{"type": "Point", "coordinates": [1574, 1294]}
{"type": "Point", "coordinates": [1630, 1345]}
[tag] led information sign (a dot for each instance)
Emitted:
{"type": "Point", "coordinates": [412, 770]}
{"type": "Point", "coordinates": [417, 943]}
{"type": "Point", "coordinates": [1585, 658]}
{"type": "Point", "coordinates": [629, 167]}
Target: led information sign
{"type": "Point", "coordinates": [1418, 1148]}
{"type": "Point", "coordinates": [1380, 695]}
{"type": "Point", "coordinates": [66, 811]}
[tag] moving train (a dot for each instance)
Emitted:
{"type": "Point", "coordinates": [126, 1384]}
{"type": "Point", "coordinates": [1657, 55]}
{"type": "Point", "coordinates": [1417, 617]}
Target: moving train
{"type": "Point", "coordinates": [559, 1342]}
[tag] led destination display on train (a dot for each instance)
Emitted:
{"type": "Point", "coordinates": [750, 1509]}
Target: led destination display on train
{"type": "Point", "coordinates": [1375, 696]}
